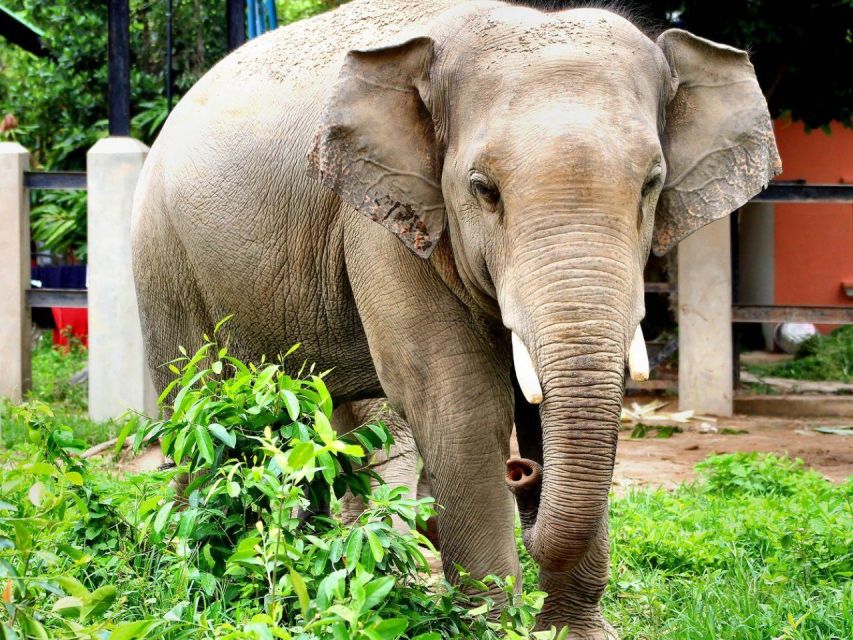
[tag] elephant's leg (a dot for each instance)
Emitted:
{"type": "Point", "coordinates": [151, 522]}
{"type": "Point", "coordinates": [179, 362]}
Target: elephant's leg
{"type": "Point", "coordinates": [398, 468]}
{"type": "Point", "coordinates": [442, 373]}
{"type": "Point", "coordinates": [573, 596]}
{"type": "Point", "coordinates": [171, 306]}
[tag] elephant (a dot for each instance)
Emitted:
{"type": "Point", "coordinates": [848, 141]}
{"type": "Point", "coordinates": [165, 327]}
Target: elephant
{"type": "Point", "coordinates": [428, 194]}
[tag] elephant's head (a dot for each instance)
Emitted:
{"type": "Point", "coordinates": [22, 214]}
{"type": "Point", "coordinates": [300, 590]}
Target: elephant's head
{"type": "Point", "coordinates": [552, 151]}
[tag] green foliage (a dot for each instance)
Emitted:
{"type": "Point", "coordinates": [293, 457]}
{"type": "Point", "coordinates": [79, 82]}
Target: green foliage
{"type": "Point", "coordinates": [801, 79]}
{"type": "Point", "coordinates": [60, 101]}
{"type": "Point", "coordinates": [827, 357]}
{"type": "Point", "coordinates": [250, 548]}
{"type": "Point", "coordinates": [58, 222]}
{"type": "Point", "coordinates": [762, 548]}
{"type": "Point", "coordinates": [293, 10]}
{"type": "Point", "coordinates": [52, 369]}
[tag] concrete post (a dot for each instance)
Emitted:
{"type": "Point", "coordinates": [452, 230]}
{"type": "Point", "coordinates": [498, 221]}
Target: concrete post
{"type": "Point", "coordinates": [118, 373]}
{"type": "Point", "coordinates": [758, 259]}
{"type": "Point", "coordinates": [15, 323]}
{"type": "Point", "coordinates": [705, 321]}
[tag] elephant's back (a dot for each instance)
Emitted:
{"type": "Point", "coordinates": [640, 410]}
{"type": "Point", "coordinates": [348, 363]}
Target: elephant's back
{"type": "Point", "coordinates": [239, 140]}
{"type": "Point", "coordinates": [227, 175]}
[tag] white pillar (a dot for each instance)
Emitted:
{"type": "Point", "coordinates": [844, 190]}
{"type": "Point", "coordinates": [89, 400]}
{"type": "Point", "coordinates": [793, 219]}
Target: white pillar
{"type": "Point", "coordinates": [705, 320]}
{"type": "Point", "coordinates": [757, 259]}
{"type": "Point", "coordinates": [118, 373]}
{"type": "Point", "coordinates": [15, 323]}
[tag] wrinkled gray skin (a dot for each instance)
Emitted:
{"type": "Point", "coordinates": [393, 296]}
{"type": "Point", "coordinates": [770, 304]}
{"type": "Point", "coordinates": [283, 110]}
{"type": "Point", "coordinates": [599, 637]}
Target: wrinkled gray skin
{"type": "Point", "coordinates": [528, 161]}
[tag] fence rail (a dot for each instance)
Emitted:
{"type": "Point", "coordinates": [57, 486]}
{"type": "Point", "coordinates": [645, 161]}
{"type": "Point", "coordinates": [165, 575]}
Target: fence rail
{"type": "Point", "coordinates": [112, 180]}
{"type": "Point", "coordinates": [792, 313]}
{"type": "Point", "coordinates": [42, 298]}
{"type": "Point", "coordinates": [64, 180]}
{"type": "Point", "coordinates": [803, 192]}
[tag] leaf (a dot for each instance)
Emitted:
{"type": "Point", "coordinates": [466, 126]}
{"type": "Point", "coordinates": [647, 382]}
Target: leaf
{"type": "Point", "coordinates": [352, 552]}
{"type": "Point", "coordinates": [162, 516]}
{"type": "Point", "coordinates": [376, 549]}
{"type": "Point", "coordinates": [72, 586]}
{"type": "Point", "coordinates": [232, 488]}
{"type": "Point", "coordinates": [300, 455]}
{"type": "Point", "coordinates": [376, 591]}
{"type": "Point", "coordinates": [228, 438]}
{"type": "Point", "coordinates": [74, 478]}
{"type": "Point", "coordinates": [390, 629]}
{"type": "Point", "coordinates": [98, 602]}
{"type": "Point", "coordinates": [291, 403]}
{"type": "Point", "coordinates": [380, 431]}
{"type": "Point", "coordinates": [135, 630]}
{"type": "Point", "coordinates": [36, 494]}
{"type": "Point", "coordinates": [836, 431]}
{"type": "Point", "coordinates": [205, 444]}
{"type": "Point", "coordinates": [219, 324]}
{"type": "Point", "coordinates": [123, 434]}
{"type": "Point", "coordinates": [325, 398]}
{"type": "Point", "coordinates": [324, 427]}
{"type": "Point", "coordinates": [640, 431]}
{"type": "Point", "coordinates": [32, 628]}
{"type": "Point", "coordinates": [301, 592]}
{"type": "Point", "coordinates": [68, 607]}
{"type": "Point", "coordinates": [181, 399]}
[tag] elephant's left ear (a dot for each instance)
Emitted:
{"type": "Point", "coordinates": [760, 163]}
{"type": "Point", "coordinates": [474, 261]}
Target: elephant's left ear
{"type": "Point", "coordinates": [718, 141]}
{"type": "Point", "coordinates": [376, 146]}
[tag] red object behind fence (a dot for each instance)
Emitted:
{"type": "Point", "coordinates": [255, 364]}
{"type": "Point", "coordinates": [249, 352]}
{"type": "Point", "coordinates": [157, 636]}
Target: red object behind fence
{"type": "Point", "coordinates": [70, 322]}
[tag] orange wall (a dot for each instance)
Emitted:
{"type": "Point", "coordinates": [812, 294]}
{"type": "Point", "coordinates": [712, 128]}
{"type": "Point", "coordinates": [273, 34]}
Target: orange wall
{"type": "Point", "coordinates": [814, 242]}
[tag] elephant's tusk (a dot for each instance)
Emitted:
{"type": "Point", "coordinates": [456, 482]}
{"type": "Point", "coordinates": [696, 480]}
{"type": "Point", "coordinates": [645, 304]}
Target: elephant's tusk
{"type": "Point", "coordinates": [638, 359]}
{"type": "Point", "coordinates": [524, 371]}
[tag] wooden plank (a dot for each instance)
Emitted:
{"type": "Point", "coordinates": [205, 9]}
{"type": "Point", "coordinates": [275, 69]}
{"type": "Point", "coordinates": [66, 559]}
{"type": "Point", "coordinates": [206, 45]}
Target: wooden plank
{"type": "Point", "coordinates": [659, 287]}
{"type": "Point", "coordinates": [791, 313]}
{"type": "Point", "coordinates": [42, 298]}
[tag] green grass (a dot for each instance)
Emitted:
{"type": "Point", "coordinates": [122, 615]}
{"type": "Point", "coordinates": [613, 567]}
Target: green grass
{"type": "Point", "coordinates": [52, 369]}
{"type": "Point", "coordinates": [827, 357]}
{"type": "Point", "coordinates": [760, 548]}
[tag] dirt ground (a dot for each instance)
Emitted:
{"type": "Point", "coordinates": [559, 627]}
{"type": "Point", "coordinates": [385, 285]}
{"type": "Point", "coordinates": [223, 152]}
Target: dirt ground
{"type": "Point", "coordinates": [666, 462]}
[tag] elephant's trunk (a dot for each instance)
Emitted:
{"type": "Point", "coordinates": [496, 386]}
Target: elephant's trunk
{"type": "Point", "coordinates": [524, 479]}
{"type": "Point", "coordinates": [562, 503]}
{"type": "Point", "coordinates": [576, 316]}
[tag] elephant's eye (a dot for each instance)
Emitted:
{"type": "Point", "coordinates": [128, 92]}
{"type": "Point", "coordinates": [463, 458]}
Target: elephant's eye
{"type": "Point", "coordinates": [653, 181]}
{"type": "Point", "coordinates": [484, 190]}
{"type": "Point", "coordinates": [648, 195]}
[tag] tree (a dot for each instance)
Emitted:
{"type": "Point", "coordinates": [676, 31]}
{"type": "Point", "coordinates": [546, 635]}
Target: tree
{"type": "Point", "coordinates": [802, 51]}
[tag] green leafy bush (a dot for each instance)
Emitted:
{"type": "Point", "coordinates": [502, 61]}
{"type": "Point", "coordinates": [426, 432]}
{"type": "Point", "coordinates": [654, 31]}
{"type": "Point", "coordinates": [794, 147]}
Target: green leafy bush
{"type": "Point", "coordinates": [761, 548]}
{"type": "Point", "coordinates": [828, 357]}
{"type": "Point", "coordinates": [250, 548]}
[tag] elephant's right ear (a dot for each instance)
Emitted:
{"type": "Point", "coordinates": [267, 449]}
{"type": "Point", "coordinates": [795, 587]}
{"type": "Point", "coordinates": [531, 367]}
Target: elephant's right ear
{"type": "Point", "coordinates": [376, 143]}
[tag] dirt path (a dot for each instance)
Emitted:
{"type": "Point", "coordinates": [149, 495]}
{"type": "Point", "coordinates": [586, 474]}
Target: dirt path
{"type": "Point", "coordinates": [666, 462]}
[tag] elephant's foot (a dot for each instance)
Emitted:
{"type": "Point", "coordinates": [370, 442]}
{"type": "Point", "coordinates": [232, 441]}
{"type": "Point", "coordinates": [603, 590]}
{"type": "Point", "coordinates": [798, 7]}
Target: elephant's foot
{"type": "Point", "coordinates": [602, 630]}
{"type": "Point", "coordinates": [582, 617]}
{"type": "Point", "coordinates": [593, 627]}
